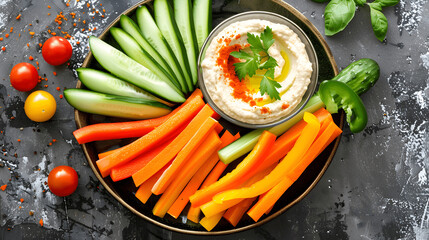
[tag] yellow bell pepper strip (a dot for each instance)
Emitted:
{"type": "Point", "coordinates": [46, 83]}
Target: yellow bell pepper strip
{"type": "Point", "coordinates": [252, 160]}
{"type": "Point", "coordinates": [268, 200]}
{"type": "Point", "coordinates": [301, 146]}
{"type": "Point", "coordinates": [212, 208]}
{"type": "Point", "coordinates": [210, 222]}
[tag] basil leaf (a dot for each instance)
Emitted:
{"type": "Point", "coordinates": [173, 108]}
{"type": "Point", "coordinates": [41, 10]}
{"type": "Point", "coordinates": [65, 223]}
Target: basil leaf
{"type": "Point", "coordinates": [387, 3]}
{"type": "Point", "coordinates": [375, 5]}
{"type": "Point", "coordinates": [379, 23]}
{"type": "Point", "coordinates": [360, 2]}
{"type": "Point", "coordinates": [338, 13]}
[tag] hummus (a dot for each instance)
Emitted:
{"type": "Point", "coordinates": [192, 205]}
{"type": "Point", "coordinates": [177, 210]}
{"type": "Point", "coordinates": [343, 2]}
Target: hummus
{"type": "Point", "coordinates": [242, 100]}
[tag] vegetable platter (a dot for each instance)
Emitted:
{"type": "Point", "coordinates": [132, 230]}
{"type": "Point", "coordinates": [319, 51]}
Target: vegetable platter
{"type": "Point", "coordinates": [124, 191]}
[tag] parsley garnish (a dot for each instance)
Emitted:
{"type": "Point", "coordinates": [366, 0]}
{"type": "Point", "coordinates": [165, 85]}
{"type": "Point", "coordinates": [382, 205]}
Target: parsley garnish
{"type": "Point", "coordinates": [253, 61]}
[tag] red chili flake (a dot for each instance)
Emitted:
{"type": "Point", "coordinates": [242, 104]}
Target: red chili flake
{"type": "Point", "coordinates": [88, 5]}
{"type": "Point", "coordinates": [54, 140]}
{"type": "Point", "coordinates": [12, 118]}
{"type": "Point", "coordinates": [1, 39]}
{"type": "Point", "coordinates": [31, 33]}
{"type": "Point", "coordinates": [19, 140]}
{"type": "Point", "coordinates": [102, 16]}
{"type": "Point", "coordinates": [104, 10]}
{"type": "Point", "coordinates": [50, 144]}
{"type": "Point", "coordinates": [30, 58]}
{"type": "Point", "coordinates": [49, 14]}
{"type": "Point", "coordinates": [46, 86]}
{"type": "Point", "coordinates": [3, 48]}
{"type": "Point", "coordinates": [55, 73]}
{"type": "Point", "coordinates": [40, 45]}
{"type": "Point", "coordinates": [74, 24]}
{"type": "Point", "coordinates": [285, 106]}
{"type": "Point", "coordinates": [61, 96]}
{"type": "Point", "coordinates": [6, 35]}
{"type": "Point", "coordinates": [41, 222]}
{"type": "Point", "coordinates": [31, 213]}
{"type": "Point", "coordinates": [21, 200]}
{"type": "Point", "coordinates": [3, 187]}
{"type": "Point", "coordinates": [20, 207]}
{"type": "Point", "coordinates": [49, 6]}
{"type": "Point", "coordinates": [67, 4]}
{"type": "Point", "coordinates": [58, 88]}
{"type": "Point", "coordinates": [53, 33]}
{"type": "Point", "coordinates": [94, 29]}
{"type": "Point", "coordinates": [78, 42]}
{"type": "Point", "coordinates": [265, 110]}
{"type": "Point", "coordinates": [18, 17]}
{"type": "Point", "coordinates": [11, 29]}
{"type": "Point", "coordinates": [28, 45]}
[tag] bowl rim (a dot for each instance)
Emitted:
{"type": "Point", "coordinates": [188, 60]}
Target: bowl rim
{"type": "Point", "coordinates": [311, 52]}
{"type": "Point", "coordinates": [80, 119]}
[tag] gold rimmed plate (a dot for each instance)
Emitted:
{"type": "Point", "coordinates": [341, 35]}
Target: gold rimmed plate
{"type": "Point", "coordinates": [123, 191]}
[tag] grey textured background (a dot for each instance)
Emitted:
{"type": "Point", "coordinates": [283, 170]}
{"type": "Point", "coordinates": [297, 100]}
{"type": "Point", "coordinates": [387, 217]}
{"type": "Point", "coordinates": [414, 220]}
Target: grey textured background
{"type": "Point", "coordinates": [375, 188]}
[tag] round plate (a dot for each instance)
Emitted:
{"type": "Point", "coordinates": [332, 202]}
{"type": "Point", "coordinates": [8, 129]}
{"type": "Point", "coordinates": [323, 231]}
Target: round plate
{"type": "Point", "coordinates": [124, 190]}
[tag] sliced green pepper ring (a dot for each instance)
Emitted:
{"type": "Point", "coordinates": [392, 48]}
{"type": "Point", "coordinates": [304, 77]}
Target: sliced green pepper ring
{"type": "Point", "coordinates": [336, 95]}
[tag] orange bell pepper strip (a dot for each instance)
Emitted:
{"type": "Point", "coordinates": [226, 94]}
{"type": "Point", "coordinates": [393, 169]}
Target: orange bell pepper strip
{"type": "Point", "coordinates": [167, 199]}
{"type": "Point", "coordinates": [118, 130]}
{"type": "Point", "coordinates": [268, 200]}
{"type": "Point", "coordinates": [301, 146]}
{"type": "Point", "coordinates": [184, 155]}
{"type": "Point", "coordinates": [173, 148]}
{"type": "Point", "coordinates": [198, 178]}
{"type": "Point", "coordinates": [151, 139]}
{"type": "Point", "coordinates": [229, 181]}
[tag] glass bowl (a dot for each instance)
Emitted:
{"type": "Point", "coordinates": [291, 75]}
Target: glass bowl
{"type": "Point", "coordinates": [275, 18]}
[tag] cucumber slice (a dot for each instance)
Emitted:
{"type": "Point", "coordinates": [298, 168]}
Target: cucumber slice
{"type": "Point", "coordinates": [153, 35]}
{"type": "Point", "coordinates": [134, 51]}
{"type": "Point", "coordinates": [131, 71]}
{"type": "Point", "coordinates": [184, 20]}
{"type": "Point", "coordinates": [107, 83]}
{"type": "Point", "coordinates": [167, 25]}
{"type": "Point", "coordinates": [114, 106]}
{"type": "Point", "coordinates": [202, 20]}
{"type": "Point", "coordinates": [131, 28]}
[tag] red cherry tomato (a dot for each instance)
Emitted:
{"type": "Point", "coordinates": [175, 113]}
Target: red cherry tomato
{"type": "Point", "coordinates": [23, 77]}
{"type": "Point", "coordinates": [56, 50]}
{"type": "Point", "coordinates": [62, 181]}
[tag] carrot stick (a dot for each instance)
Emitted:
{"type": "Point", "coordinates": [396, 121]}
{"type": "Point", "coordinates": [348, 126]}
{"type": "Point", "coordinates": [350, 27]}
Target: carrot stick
{"type": "Point", "coordinates": [269, 199]}
{"type": "Point", "coordinates": [183, 156]}
{"type": "Point", "coordinates": [151, 139]}
{"type": "Point", "coordinates": [209, 146]}
{"type": "Point", "coordinates": [194, 212]}
{"type": "Point", "coordinates": [171, 150]}
{"type": "Point", "coordinates": [229, 181]}
{"type": "Point", "coordinates": [210, 222]}
{"type": "Point", "coordinates": [235, 213]}
{"type": "Point", "coordinates": [118, 130]}
{"type": "Point", "coordinates": [145, 190]}
{"type": "Point", "coordinates": [128, 169]}
{"type": "Point", "coordinates": [198, 178]}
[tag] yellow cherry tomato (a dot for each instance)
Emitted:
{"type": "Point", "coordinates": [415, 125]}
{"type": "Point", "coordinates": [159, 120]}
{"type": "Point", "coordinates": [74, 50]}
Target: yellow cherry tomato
{"type": "Point", "coordinates": [40, 106]}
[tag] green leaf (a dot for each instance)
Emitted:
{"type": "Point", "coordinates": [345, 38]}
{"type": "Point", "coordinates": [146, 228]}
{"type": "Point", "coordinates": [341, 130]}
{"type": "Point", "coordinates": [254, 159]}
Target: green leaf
{"type": "Point", "coordinates": [387, 3]}
{"type": "Point", "coordinates": [241, 55]}
{"type": "Point", "coordinates": [255, 43]}
{"type": "Point", "coordinates": [269, 86]}
{"type": "Point", "coordinates": [246, 68]}
{"type": "Point", "coordinates": [267, 38]}
{"type": "Point", "coordinates": [338, 14]}
{"type": "Point", "coordinates": [360, 2]}
{"type": "Point", "coordinates": [375, 5]}
{"type": "Point", "coordinates": [379, 24]}
{"type": "Point", "coordinates": [270, 63]}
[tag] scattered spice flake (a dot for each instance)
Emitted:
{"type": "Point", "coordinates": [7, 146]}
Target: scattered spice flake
{"type": "Point", "coordinates": [40, 45]}
{"type": "Point", "coordinates": [54, 140]}
{"type": "Point", "coordinates": [78, 42]}
{"type": "Point", "coordinates": [28, 45]}
{"type": "Point", "coordinates": [3, 49]}
{"type": "Point", "coordinates": [50, 144]}
{"type": "Point", "coordinates": [6, 35]}
{"type": "Point", "coordinates": [31, 213]}
{"type": "Point", "coordinates": [21, 200]}
{"type": "Point", "coordinates": [1, 39]}
{"type": "Point", "coordinates": [53, 33]}
{"type": "Point", "coordinates": [12, 117]}
{"type": "Point", "coordinates": [58, 88]}
{"type": "Point", "coordinates": [55, 73]}
{"type": "Point", "coordinates": [41, 222]}
{"type": "Point", "coordinates": [19, 140]}
{"type": "Point", "coordinates": [49, 6]}
{"type": "Point", "coordinates": [61, 96]}
{"type": "Point", "coordinates": [285, 106]}
{"type": "Point", "coordinates": [11, 29]}
{"type": "Point", "coordinates": [67, 4]}
{"type": "Point", "coordinates": [18, 17]}
{"type": "Point", "coordinates": [265, 110]}
{"type": "Point", "coordinates": [46, 86]}
{"type": "Point", "coordinates": [31, 33]}
{"type": "Point", "coordinates": [3, 187]}
{"type": "Point", "coordinates": [30, 58]}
